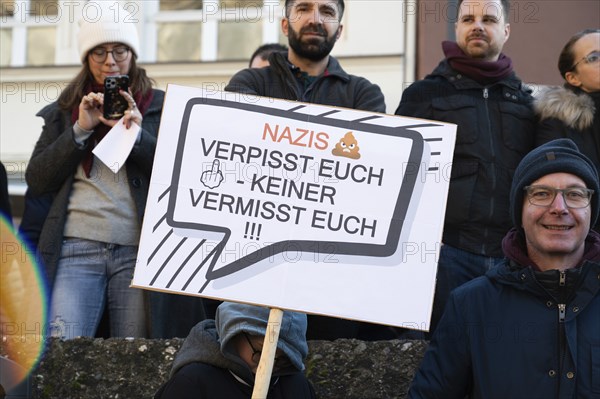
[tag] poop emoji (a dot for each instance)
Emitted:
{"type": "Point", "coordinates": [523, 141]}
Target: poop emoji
{"type": "Point", "coordinates": [347, 147]}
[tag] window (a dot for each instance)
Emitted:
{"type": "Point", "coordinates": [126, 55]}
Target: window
{"type": "Point", "coordinates": [41, 45]}
{"type": "Point", "coordinates": [178, 41]}
{"type": "Point", "coordinates": [7, 8]}
{"type": "Point", "coordinates": [171, 5]}
{"type": "Point", "coordinates": [28, 34]}
{"type": "Point", "coordinates": [172, 30]}
{"type": "Point", "coordinates": [240, 29]}
{"type": "Point", "coordinates": [43, 8]}
{"type": "Point", "coordinates": [210, 30]}
{"type": "Point", "coordinates": [5, 46]}
{"type": "Point", "coordinates": [238, 40]}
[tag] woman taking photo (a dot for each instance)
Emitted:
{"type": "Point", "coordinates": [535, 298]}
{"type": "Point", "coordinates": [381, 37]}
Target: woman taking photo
{"type": "Point", "coordinates": [90, 237]}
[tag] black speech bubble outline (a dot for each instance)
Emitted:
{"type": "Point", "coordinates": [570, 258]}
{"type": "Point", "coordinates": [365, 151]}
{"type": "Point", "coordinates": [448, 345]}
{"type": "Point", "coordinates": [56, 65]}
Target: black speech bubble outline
{"type": "Point", "coordinates": [342, 248]}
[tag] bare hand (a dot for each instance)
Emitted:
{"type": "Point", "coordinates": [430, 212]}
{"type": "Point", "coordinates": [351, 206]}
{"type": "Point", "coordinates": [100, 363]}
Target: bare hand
{"type": "Point", "coordinates": [90, 110]}
{"type": "Point", "coordinates": [132, 114]}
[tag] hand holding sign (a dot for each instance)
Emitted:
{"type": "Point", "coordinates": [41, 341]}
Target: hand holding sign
{"type": "Point", "coordinates": [212, 178]}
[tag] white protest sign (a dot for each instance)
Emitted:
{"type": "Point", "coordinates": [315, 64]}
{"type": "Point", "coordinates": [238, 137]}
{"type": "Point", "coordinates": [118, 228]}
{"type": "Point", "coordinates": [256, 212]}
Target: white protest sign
{"type": "Point", "coordinates": [296, 206]}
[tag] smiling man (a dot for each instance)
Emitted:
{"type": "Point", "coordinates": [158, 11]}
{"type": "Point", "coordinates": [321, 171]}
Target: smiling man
{"type": "Point", "coordinates": [476, 88]}
{"type": "Point", "coordinates": [529, 328]}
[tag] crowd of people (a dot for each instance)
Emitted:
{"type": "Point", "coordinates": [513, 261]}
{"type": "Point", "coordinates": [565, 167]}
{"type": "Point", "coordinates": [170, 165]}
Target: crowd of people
{"type": "Point", "coordinates": [520, 248]}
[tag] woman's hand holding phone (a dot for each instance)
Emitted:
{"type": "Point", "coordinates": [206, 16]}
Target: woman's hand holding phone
{"type": "Point", "coordinates": [115, 103]}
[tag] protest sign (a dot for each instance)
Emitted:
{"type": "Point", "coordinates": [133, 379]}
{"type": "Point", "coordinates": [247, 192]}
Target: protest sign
{"type": "Point", "coordinates": [296, 206]}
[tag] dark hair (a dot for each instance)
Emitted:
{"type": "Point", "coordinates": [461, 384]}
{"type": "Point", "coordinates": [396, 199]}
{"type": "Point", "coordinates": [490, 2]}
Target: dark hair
{"type": "Point", "coordinates": [566, 59]}
{"type": "Point", "coordinates": [288, 4]}
{"type": "Point", "coordinates": [265, 50]}
{"type": "Point", "coordinates": [71, 96]}
{"type": "Point", "coordinates": [505, 7]}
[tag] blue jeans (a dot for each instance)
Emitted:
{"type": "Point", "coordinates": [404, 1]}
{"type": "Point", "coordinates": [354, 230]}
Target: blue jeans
{"type": "Point", "coordinates": [90, 276]}
{"type": "Point", "coordinates": [456, 267]}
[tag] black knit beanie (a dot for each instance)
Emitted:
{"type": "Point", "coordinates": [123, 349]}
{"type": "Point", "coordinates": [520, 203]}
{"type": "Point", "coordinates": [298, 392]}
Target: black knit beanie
{"type": "Point", "coordinates": [561, 155]}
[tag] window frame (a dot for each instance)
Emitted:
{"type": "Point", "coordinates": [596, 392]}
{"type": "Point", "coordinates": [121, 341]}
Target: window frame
{"type": "Point", "coordinates": [149, 19]}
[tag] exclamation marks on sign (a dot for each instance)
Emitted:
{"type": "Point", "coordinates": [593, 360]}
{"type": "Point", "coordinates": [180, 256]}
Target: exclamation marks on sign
{"type": "Point", "coordinates": [253, 228]}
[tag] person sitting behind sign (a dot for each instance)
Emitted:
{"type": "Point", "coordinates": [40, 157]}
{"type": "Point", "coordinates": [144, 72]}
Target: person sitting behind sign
{"type": "Point", "coordinates": [219, 358]}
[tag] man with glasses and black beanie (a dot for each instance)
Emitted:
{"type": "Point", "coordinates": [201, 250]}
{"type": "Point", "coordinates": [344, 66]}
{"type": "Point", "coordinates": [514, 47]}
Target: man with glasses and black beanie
{"type": "Point", "coordinates": [529, 328]}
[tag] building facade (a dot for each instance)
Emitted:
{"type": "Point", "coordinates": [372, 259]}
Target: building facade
{"type": "Point", "coordinates": [202, 43]}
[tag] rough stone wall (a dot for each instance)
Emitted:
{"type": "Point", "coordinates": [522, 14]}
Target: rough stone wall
{"type": "Point", "coordinates": [86, 368]}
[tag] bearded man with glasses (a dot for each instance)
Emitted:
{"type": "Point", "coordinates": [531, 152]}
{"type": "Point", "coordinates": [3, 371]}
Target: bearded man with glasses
{"type": "Point", "coordinates": [529, 328]}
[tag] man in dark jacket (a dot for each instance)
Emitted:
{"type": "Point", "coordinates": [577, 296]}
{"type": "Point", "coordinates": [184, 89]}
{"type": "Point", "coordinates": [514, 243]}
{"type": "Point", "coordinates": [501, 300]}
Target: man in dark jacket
{"type": "Point", "coordinates": [529, 328]}
{"type": "Point", "coordinates": [220, 357]}
{"type": "Point", "coordinates": [306, 72]}
{"type": "Point", "coordinates": [475, 88]}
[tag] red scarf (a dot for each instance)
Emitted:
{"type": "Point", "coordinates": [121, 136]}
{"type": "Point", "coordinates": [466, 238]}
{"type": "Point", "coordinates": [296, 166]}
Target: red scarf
{"type": "Point", "coordinates": [142, 101]}
{"type": "Point", "coordinates": [483, 72]}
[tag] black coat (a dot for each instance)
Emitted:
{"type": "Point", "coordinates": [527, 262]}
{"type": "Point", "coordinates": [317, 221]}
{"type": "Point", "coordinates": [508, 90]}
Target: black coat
{"type": "Point", "coordinates": [202, 371]}
{"type": "Point", "coordinates": [204, 381]}
{"type": "Point", "coordinates": [5, 208]}
{"type": "Point", "coordinates": [34, 216]}
{"type": "Point", "coordinates": [504, 335]}
{"type": "Point", "coordinates": [573, 114]}
{"type": "Point", "coordinates": [496, 129]}
{"type": "Point", "coordinates": [335, 87]}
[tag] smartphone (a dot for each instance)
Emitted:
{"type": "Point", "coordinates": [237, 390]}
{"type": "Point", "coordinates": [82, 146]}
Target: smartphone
{"type": "Point", "coordinates": [115, 104]}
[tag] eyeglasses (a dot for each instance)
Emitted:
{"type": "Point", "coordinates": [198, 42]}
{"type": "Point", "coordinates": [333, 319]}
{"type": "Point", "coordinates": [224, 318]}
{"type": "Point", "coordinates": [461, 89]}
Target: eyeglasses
{"type": "Point", "coordinates": [119, 54]}
{"type": "Point", "coordinates": [574, 197]}
{"type": "Point", "coordinates": [592, 57]}
{"type": "Point", "coordinates": [281, 361]}
{"type": "Point", "coordinates": [255, 352]}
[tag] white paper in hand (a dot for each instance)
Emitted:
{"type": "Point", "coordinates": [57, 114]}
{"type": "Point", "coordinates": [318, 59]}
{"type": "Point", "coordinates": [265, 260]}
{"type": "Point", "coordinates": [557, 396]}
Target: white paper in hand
{"type": "Point", "coordinates": [115, 147]}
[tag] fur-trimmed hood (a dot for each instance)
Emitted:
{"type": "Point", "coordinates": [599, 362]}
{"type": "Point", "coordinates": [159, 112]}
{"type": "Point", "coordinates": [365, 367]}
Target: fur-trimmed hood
{"type": "Point", "coordinates": [576, 110]}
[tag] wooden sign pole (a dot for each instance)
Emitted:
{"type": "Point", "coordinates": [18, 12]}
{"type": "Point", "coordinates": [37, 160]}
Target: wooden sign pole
{"type": "Point", "coordinates": [267, 357]}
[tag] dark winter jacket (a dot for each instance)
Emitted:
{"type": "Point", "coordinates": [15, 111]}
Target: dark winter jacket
{"type": "Point", "coordinates": [5, 209]}
{"type": "Point", "coordinates": [34, 216]}
{"type": "Point", "coordinates": [335, 87]}
{"type": "Point", "coordinates": [496, 128]}
{"type": "Point", "coordinates": [570, 113]}
{"type": "Point", "coordinates": [208, 367]}
{"type": "Point", "coordinates": [519, 333]}
{"type": "Point", "coordinates": [54, 162]}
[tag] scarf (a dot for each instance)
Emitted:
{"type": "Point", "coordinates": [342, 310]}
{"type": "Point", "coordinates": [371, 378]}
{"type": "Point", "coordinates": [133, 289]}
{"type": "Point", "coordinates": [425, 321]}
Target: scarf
{"type": "Point", "coordinates": [515, 248]}
{"type": "Point", "coordinates": [483, 72]}
{"type": "Point", "coordinates": [142, 101]}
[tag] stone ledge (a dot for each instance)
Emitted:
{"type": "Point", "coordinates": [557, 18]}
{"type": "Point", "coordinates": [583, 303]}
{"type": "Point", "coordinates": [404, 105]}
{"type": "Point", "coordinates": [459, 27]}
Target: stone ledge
{"type": "Point", "coordinates": [86, 368]}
